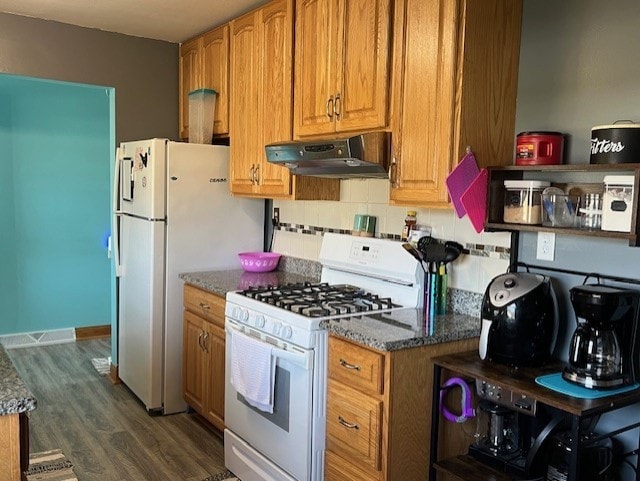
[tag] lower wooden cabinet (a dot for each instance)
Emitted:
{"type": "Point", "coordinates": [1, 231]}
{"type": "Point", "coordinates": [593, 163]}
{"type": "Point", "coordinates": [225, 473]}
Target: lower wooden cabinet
{"type": "Point", "coordinates": [379, 411]}
{"type": "Point", "coordinates": [14, 446]}
{"type": "Point", "coordinates": [203, 354]}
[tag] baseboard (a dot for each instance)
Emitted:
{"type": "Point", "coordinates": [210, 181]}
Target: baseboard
{"type": "Point", "coordinates": [42, 338]}
{"type": "Point", "coordinates": [92, 332]}
{"type": "Point", "coordinates": [113, 375]}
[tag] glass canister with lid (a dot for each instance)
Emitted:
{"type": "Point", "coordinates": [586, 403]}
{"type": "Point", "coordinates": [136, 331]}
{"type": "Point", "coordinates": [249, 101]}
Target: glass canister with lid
{"type": "Point", "coordinates": [522, 201]}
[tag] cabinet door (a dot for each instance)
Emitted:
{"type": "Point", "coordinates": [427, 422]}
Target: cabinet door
{"type": "Point", "coordinates": [428, 86]}
{"type": "Point", "coordinates": [215, 53]}
{"type": "Point", "coordinates": [316, 62]}
{"type": "Point", "coordinates": [276, 93]}
{"type": "Point", "coordinates": [364, 71]}
{"type": "Point", "coordinates": [244, 117]}
{"type": "Point", "coordinates": [214, 344]}
{"type": "Point", "coordinates": [193, 363]}
{"type": "Point", "coordinates": [354, 426]}
{"type": "Point", "coordinates": [190, 79]}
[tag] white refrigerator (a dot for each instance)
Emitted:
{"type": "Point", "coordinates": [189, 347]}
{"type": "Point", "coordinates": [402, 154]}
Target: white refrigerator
{"type": "Point", "coordinates": [173, 213]}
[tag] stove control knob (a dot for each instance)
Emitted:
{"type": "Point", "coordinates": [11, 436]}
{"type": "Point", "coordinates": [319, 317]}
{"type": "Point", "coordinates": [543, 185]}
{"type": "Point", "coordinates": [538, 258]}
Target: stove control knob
{"type": "Point", "coordinates": [276, 328]}
{"type": "Point", "coordinates": [243, 314]}
{"type": "Point", "coordinates": [287, 332]}
{"type": "Point", "coordinates": [260, 321]}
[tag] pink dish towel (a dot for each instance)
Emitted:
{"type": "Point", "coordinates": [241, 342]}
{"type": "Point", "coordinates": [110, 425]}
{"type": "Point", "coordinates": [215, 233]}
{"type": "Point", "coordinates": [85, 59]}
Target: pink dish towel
{"type": "Point", "coordinates": [253, 371]}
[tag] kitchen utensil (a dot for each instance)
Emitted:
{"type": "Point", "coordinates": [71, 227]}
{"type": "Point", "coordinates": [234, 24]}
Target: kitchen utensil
{"type": "Point", "coordinates": [423, 242]}
{"type": "Point", "coordinates": [259, 261]}
{"type": "Point", "coordinates": [474, 200]}
{"type": "Point", "coordinates": [519, 320]}
{"type": "Point", "coordinates": [415, 253]}
{"type": "Point", "coordinates": [452, 251]}
{"type": "Point", "coordinates": [459, 180]}
{"type": "Point", "coordinates": [603, 352]}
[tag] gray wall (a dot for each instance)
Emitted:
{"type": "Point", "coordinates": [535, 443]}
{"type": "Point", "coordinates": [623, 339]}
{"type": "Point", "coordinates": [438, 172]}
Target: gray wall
{"type": "Point", "coordinates": [144, 72]}
{"type": "Point", "coordinates": [579, 67]}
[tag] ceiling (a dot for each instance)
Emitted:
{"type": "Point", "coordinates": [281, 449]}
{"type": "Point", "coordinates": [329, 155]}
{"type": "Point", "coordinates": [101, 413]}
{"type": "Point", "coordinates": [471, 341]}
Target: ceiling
{"type": "Point", "coordinates": [170, 20]}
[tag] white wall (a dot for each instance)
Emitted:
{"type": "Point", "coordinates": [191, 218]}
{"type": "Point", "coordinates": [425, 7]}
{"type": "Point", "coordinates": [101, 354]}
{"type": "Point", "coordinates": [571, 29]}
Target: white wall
{"type": "Point", "coordinates": [488, 255]}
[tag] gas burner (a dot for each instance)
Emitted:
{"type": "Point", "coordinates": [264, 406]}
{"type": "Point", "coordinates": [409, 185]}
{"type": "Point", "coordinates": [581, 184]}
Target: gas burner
{"type": "Point", "coordinates": [319, 300]}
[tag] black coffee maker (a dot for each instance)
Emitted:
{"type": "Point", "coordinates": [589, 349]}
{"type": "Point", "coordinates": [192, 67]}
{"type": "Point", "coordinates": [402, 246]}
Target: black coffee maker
{"type": "Point", "coordinates": [604, 351]}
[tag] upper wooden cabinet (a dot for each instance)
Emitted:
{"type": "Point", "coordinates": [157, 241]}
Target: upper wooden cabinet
{"type": "Point", "coordinates": [342, 66]}
{"type": "Point", "coordinates": [204, 63]}
{"type": "Point", "coordinates": [458, 61]}
{"type": "Point", "coordinates": [261, 106]}
{"type": "Point", "coordinates": [190, 78]}
{"type": "Point", "coordinates": [215, 72]}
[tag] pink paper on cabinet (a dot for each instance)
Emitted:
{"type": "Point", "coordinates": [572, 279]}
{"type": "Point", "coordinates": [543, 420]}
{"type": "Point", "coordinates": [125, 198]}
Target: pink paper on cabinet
{"type": "Point", "coordinates": [460, 179]}
{"type": "Point", "coordinates": [474, 200]}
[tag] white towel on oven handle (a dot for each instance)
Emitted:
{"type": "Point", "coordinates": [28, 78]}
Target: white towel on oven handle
{"type": "Point", "coordinates": [253, 371]}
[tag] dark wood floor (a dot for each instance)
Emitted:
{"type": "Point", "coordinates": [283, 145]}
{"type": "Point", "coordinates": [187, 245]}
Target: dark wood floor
{"type": "Point", "coordinates": [103, 429]}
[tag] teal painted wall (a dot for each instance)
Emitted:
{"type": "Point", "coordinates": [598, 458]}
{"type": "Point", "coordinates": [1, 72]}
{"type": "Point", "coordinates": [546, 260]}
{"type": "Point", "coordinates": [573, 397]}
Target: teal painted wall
{"type": "Point", "coordinates": [57, 214]}
{"type": "Point", "coordinates": [8, 290]}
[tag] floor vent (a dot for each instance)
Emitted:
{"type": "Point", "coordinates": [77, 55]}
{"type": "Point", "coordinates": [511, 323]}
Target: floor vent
{"type": "Point", "coordinates": [32, 339]}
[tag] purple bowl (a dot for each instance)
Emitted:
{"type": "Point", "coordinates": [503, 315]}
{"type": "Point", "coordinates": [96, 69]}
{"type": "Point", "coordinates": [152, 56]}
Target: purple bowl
{"type": "Point", "coordinates": [259, 261]}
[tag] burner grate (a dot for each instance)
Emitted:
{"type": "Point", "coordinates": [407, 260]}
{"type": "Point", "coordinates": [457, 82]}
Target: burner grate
{"type": "Point", "coordinates": [320, 299]}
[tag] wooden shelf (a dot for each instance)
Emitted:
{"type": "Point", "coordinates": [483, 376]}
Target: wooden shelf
{"type": "Point", "coordinates": [467, 468]}
{"type": "Point", "coordinates": [575, 174]}
{"type": "Point", "coordinates": [522, 380]}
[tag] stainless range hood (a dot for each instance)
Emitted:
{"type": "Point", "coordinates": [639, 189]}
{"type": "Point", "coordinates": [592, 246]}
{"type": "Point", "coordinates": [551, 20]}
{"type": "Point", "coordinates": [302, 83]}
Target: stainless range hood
{"type": "Point", "coordinates": [364, 155]}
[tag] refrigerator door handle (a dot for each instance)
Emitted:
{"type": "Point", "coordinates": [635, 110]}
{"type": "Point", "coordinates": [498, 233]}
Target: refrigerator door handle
{"type": "Point", "coordinates": [115, 227]}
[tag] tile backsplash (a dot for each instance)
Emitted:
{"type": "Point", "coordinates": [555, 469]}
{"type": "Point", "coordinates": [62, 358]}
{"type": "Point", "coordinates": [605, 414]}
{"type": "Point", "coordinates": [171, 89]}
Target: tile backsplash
{"type": "Point", "coordinates": [302, 224]}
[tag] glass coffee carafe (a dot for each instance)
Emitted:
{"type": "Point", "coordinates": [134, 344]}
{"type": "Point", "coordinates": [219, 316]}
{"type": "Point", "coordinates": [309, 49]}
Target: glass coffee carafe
{"type": "Point", "coordinates": [498, 429]}
{"type": "Point", "coordinates": [595, 352]}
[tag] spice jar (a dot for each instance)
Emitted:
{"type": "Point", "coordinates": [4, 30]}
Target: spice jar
{"type": "Point", "coordinates": [409, 222]}
{"type": "Point", "coordinates": [522, 201]}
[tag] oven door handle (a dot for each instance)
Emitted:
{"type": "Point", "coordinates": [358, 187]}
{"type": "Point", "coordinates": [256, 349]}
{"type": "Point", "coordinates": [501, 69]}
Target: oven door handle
{"type": "Point", "coordinates": [302, 358]}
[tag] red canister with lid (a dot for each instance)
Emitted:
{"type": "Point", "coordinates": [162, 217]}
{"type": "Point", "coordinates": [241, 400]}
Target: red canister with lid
{"type": "Point", "coordinates": [539, 148]}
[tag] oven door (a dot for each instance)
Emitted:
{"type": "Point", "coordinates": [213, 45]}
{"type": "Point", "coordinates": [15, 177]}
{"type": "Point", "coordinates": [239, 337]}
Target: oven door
{"type": "Point", "coordinates": [283, 437]}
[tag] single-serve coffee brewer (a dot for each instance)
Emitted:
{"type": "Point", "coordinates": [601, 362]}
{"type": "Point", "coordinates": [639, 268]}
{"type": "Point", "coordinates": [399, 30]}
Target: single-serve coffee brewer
{"type": "Point", "coordinates": [604, 351]}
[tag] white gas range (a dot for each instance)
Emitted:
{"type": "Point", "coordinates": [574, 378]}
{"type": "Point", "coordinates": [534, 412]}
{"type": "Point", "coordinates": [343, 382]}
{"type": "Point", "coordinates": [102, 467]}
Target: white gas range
{"type": "Point", "coordinates": [359, 275]}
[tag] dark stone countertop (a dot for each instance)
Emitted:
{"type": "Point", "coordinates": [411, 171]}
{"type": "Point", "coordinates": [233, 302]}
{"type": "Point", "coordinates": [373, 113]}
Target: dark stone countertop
{"type": "Point", "coordinates": [221, 282]}
{"type": "Point", "coordinates": [403, 329]}
{"type": "Point", "coordinates": [15, 396]}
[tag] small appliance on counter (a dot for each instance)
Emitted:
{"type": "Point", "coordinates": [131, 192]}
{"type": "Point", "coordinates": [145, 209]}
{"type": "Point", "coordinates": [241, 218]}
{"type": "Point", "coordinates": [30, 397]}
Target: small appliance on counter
{"type": "Point", "coordinates": [514, 431]}
{"type": "Point", "coordinates": [604, 351]}
{"type": "Point", "coordinates": [519, 320]}
{"type": "Point", "coordinates": [597, 458]}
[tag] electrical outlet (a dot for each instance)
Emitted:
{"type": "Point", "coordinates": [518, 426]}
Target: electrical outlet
{"type": "Point", "coordinates": [546, 246]}
{"type": "Point", "coordinates": [276, 216]}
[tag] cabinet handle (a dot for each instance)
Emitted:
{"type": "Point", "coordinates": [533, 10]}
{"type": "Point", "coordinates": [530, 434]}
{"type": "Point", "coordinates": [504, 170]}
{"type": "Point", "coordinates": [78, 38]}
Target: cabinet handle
{"type": "Point", "coordinates": [330, 108]}
{"type": "Point", "coordinates": [346, 365]}
{"type": "Point", "coordinates": [205, 306]}
{"type": "Point", "coordinates": [205, 342]}
{"type": "Point", "coordinates": [337, 106]}
{"type": "Point", "coordinates": [257, 172]}
{"type": "Point", "coordinates": [393, 173]}
{"type": "Point", "coordinates": [200, 340]}
{"type": "Point", "coordinates": [252, 173]}
{"type": "Point", "coordinates": [347, 424]}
